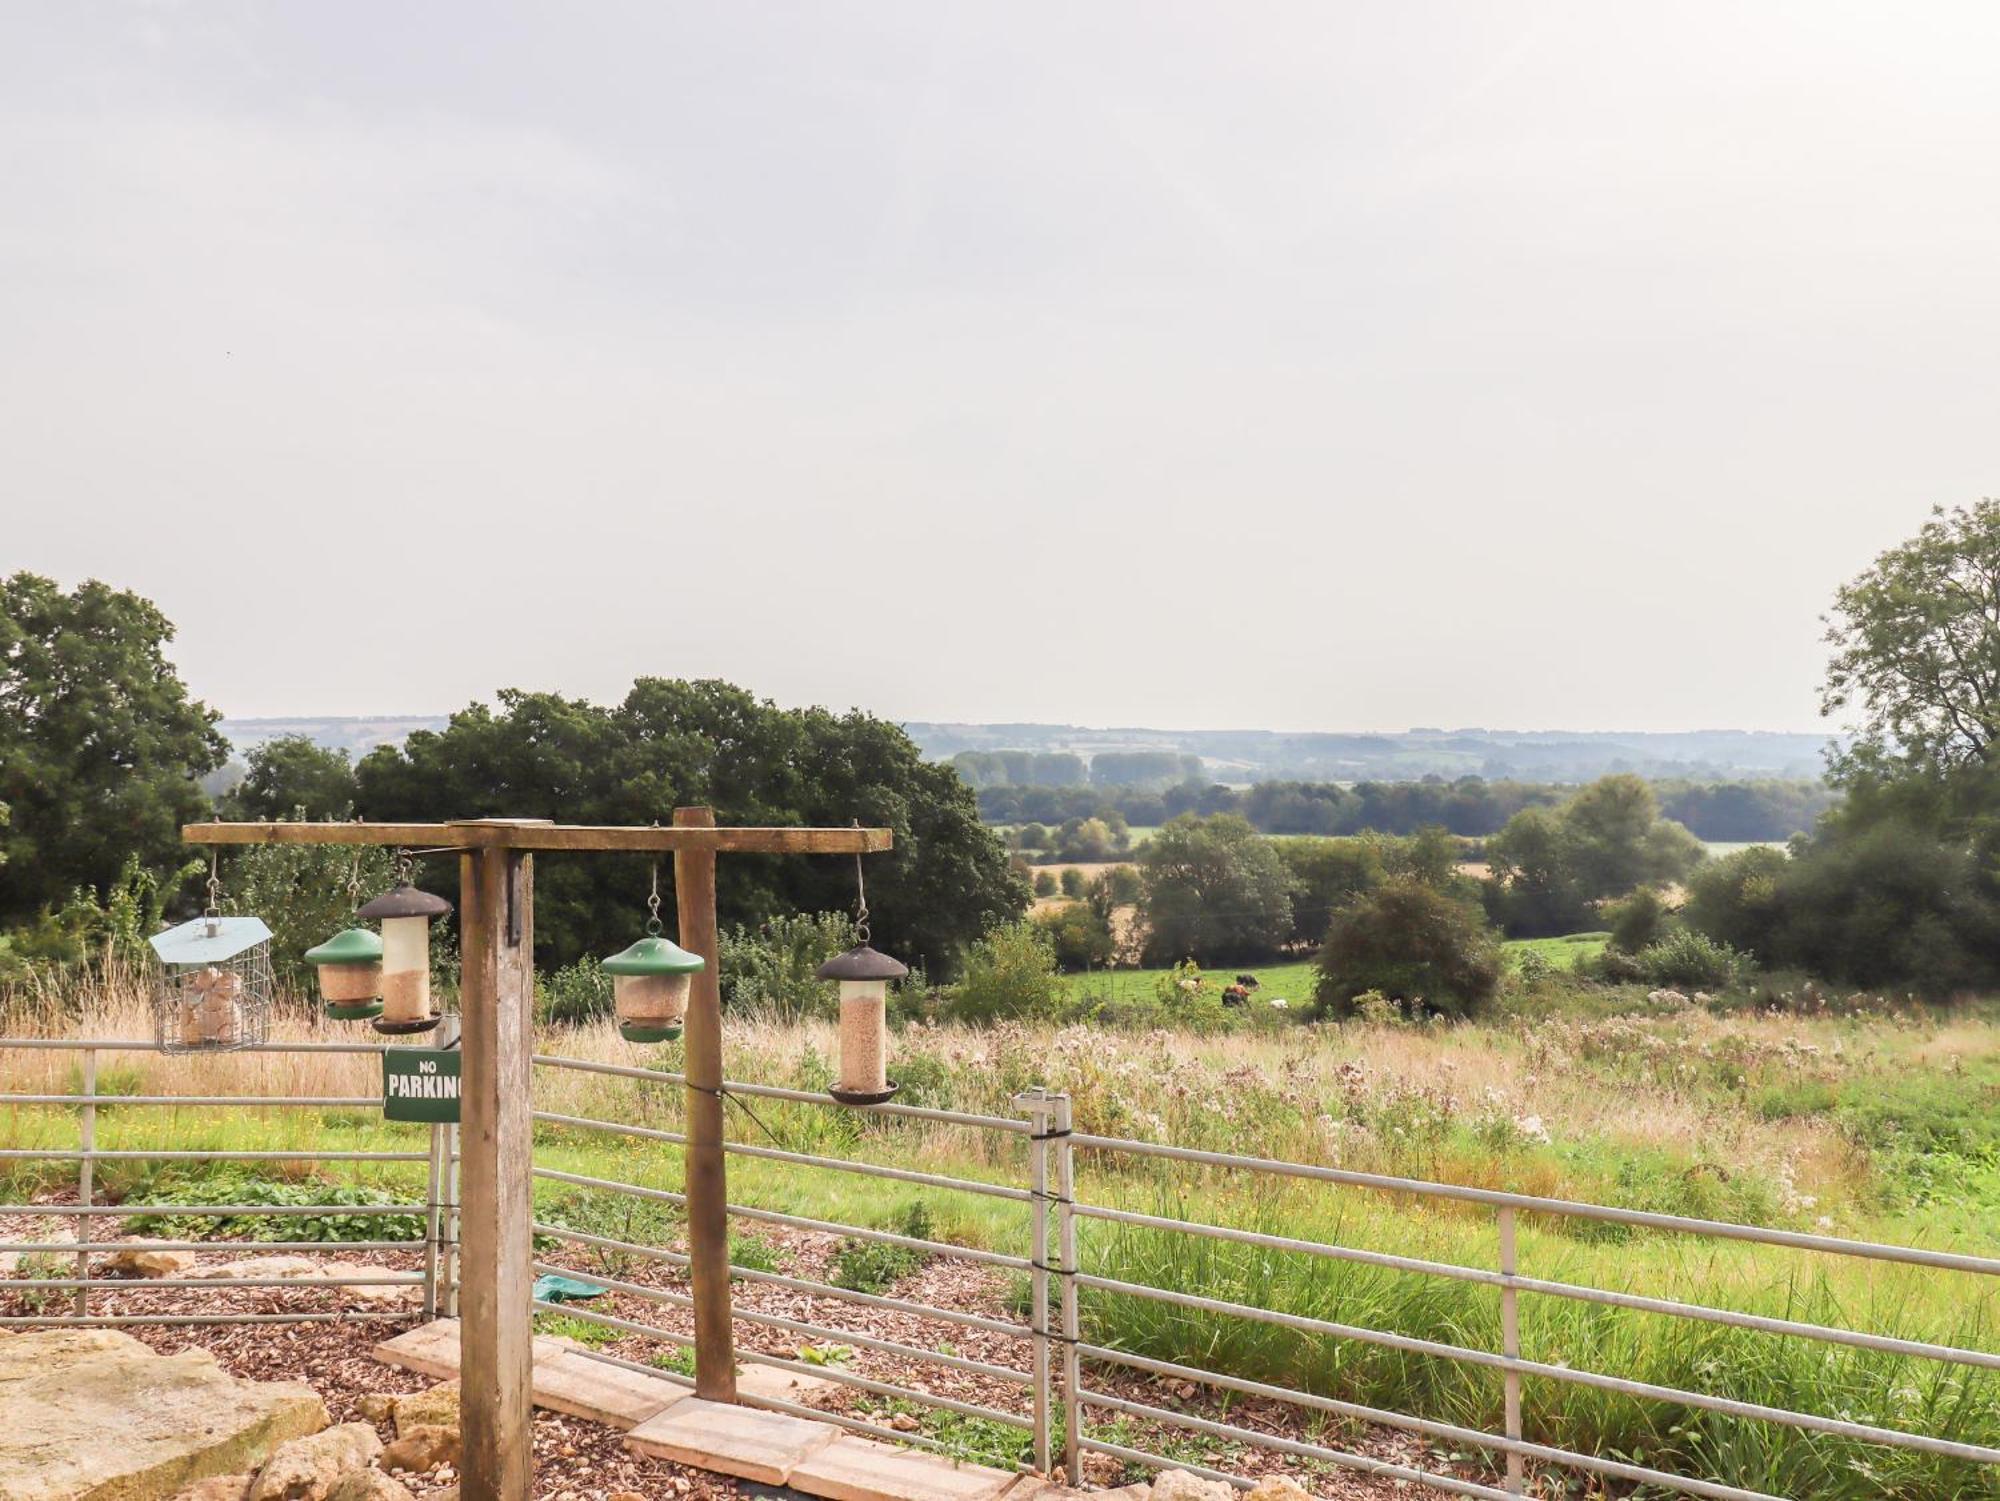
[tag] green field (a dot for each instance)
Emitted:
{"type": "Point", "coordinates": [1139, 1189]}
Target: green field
{"type": "Point", "coordinates": [1293, 981]}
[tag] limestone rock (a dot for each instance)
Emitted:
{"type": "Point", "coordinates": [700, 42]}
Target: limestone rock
{"type": "Point", "coordinates": [435, 1408]}
{"type": "Point", "coordinates": [307, 1468]}
{"type": "Point", "coordinates": [93, 1413]}
{"type": "Point", "coordinates": [219, 1488]}
{"type": "Point", "coordinates": [258, 1268]}
{"type": "Point", "coordinates": [368, 1485]}
{"type": "Point", "coordinates": [423, 1448]}
{"type": "Point", "coordinates": [1179, 1485]}
{"type": "Point", "coordinates": [1279, 1488]}
{"type": "Point", "coordinates": [141, 1258]}
{"type": "Point", "coordinates": [392, 1295]}
{"type": "Point", "coordinates": [377, 1407]}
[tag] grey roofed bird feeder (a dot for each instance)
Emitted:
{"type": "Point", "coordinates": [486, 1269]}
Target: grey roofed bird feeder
{"type": "Point", "coordinates": [864, 974]}
{"type": "Point", "coordinates": [214, 993]}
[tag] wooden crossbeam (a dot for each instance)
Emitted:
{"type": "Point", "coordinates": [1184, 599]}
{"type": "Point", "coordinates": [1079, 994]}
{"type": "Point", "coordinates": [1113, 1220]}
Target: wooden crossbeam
{"type": "Point", "coordinates": [536, 835]}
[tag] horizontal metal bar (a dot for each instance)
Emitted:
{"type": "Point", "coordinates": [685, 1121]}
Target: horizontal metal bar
{"type": "Point", "coordinates": [247, 1101]}
{"type": "Point", "coordinates": [218, 1211]}
{"type": "Point", "coordinates": [889, 1389]}
{"type": "Point", "coordinates": [1340, 1457]}
{"type": "Point", "coordinates": [775, 1154]}
{"type": "Point", "coordinates": [1888, 1344]}
{"type": "Point", "coordinates": [610, 1185]}
{"type": "Point", "coordinates": [800, 1096]}
{"type": "Point", "coordinates": [884, 1237]}
{"type": "Point", "coordinates": [1947, 1260]}
{"type": "Point", "coordinates": [171, 1284]}
{"type": "Point", "coordinates": [775, 1217]}
{"type": "Point", "coordinates": [1450, 1431]}
{"type": "Point", "coordinates": [610, 1321]}
{"type": "Point", "coordinates": [869, 1170]}
{"type": "Point", "coordinates": [151, 1045]}
{"type": "Point", "coordinates": [1160, 1462]}
{"type": "Point", "coordinates": [1892, 1437]}
{"type": "Point", "coordinates": [260, 1247]}
{"type": "Point", "coordinates": [585, 1123]}
{"type": "Point", "coordinates": [796, 1284]}
{"type": "Point", "coordinates": [124, 1155]}
{"type": "Point", "coordinates": [113, 1320]}
{"type": "Point", "coordinates": [778, 1321]}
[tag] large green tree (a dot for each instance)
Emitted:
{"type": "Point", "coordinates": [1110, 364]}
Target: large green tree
{"type": "Point", "coordinates": [294, 776]}
{"type": "Point", "coordinates": [101, 748]}
{"type": "Point", "coordinates": [1215, 891]}
{"type": "Point", "coordinates": [672, 743]}
{"type": "Point", "coordinates": [1916, 650]}
{"type": "Point", "coordinates": [1550, 865]}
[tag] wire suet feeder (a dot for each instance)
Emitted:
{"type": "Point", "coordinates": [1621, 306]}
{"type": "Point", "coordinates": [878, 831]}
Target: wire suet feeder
{"type": "Point", "coordinates": [405, 913]}
{"type": "Point", "coordinates": [864, 974]}
{"type": "Point", "coordinates": [215, 984]}
{"type": "Point", "coordinates": [650, 980]}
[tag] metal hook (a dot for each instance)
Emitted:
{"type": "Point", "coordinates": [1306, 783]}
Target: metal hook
{"type": "Point", "coordinates": [860, 896]}
{"type": "Point", "coordinates": [653, 904]}
{"type": "Point", "coordinates": [214, 907]}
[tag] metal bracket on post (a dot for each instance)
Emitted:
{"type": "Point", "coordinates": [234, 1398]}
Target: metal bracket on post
{"type": "Point", "coordinates": [1034, 1104]}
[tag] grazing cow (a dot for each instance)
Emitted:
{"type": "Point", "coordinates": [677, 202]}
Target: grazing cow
{"type": "Point", "coordinates": [1248, 982]}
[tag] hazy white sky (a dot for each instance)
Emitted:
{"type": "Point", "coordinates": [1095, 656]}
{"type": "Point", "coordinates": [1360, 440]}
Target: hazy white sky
{"type": "Point", "coordinates": [1325, 366]}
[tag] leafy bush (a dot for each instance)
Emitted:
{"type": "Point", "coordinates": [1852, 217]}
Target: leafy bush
{"type": "Point", "coordinates": [1413, 943]}
{"type": "Point", "coordinates": [871, 1266]}
{"type": "Point", "coordinates": [1688, 958]}
{"type": "Point", "coordinates": [1079, 938]}
{"type": "Point", "coordinates": [639, 1222]}
{"type": "Point", "coordinates": [1045, 883]}
{"type": "Point", "coordinates": [1010, 973]}
{"type": "Point", "coordinates": [1072, 883]}
{"type": "Point", "coordinates": [1637, 922]}
{"type": "Point", "coordinates": [356, 1217]}
{"type": "Point", "coordinates": [575, 994]}
{"type": "Point", "coordinates": [769, 970]}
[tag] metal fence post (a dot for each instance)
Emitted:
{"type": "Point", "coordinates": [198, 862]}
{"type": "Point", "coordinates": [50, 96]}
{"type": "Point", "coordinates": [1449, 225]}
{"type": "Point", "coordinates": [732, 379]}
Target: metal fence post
{"type": "Point", "coordinates": [1510, 1345]}
{"type": "Point", "coordinates": [1034, 1104]}
{"type": "Point", "coordinates": [86, 1176]}
{"type": "Point", "coordinates": [1072, 1383]}
{"type": "Point", "coordinates": [449, 1262]}
{"type": "Point", "coordinates": [433, 1221]}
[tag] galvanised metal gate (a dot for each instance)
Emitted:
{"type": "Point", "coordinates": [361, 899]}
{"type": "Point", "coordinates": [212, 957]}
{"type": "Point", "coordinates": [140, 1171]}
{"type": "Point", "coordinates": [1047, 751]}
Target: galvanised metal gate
{"type": "Point", "coordinates": [1057, 1402]}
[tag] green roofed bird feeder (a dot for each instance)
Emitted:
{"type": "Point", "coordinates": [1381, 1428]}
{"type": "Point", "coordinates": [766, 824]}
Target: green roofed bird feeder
{"type": "Point", "coordinates": [350, 974]}
{"type": "Point", "coordinates": [864, 975]}
{"type": "Point", "coordinates": [405, 914]}
{"type": "Point", "coordinates": [650, 981]}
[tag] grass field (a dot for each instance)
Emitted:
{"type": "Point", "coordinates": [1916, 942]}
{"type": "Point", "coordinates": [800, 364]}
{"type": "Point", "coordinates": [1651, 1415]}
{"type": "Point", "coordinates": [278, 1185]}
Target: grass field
{"type": "Point", "coordinates": [1293, 982]}
{"type": "Point", "coordinates": [1881, 1123]}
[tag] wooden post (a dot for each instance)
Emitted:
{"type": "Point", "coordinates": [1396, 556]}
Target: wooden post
{"type": "Point", "coordinates": [705, 1178]}
{"type": "Point", "coordinates": [496, 916]}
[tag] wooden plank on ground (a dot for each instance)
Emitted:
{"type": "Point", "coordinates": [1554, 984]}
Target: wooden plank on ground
{"type": "Point", "coordinates": [746, 1442]}
{"type": "Point", "coordinates": [861, 1469]}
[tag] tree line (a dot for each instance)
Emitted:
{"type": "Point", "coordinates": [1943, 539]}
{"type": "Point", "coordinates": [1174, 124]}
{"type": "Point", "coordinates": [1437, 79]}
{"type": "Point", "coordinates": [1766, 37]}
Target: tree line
{"type": "Point", "coordinates": [1726, 812]}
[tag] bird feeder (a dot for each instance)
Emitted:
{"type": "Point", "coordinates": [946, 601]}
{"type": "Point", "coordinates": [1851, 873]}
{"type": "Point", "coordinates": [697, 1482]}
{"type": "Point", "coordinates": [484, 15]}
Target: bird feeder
{"type": "Point", "coordinates": [405, 914]}
{"type": "Point", "coordinates": [651, 979]}
{"type": "Point", "coordinates": [864, 976]}
{"type": "Point", "coordinates": [350, 974]}
{"type": "Point", "coordinates": [649, 988]}
{"type": "Point", "coordinates": [214, 990]}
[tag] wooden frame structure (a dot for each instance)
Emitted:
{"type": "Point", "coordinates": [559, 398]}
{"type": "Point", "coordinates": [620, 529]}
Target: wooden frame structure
{"type": "Point", "coordinates": [496, 1134]}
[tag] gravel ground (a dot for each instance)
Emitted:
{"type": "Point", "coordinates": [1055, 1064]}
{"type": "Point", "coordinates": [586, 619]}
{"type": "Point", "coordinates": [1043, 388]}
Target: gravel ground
{"type": "Point", "coordinates": [582, 1461]}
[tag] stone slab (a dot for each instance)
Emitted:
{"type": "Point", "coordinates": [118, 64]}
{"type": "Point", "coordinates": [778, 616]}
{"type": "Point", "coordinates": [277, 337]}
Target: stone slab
{"type": "Point", "coordinates": [95, 1415]}
{"type": "Point", "coordinates": [429, 1349]}
{"type": "Point", "coordinates": [584, 1388]}
{"type": "Point", "coordinates": [861, 1469]}
{"type": "Point", "coordinates": [743, 1441]}
{"type": "Point", "coordinates": [773, 1383]}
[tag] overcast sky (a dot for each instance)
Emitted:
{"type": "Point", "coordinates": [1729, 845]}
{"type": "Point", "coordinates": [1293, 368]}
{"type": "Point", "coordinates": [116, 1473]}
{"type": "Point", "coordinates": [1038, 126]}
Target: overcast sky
{"type": "Point", "coordinates": [1316, 366]}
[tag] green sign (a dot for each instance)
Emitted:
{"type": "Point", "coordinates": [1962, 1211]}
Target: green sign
{"type": "Point", "coordinates": [420, 1084]}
